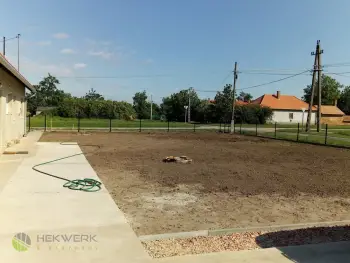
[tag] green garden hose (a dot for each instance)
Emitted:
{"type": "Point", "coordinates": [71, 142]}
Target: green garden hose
{"type": "Point", "coordinates": [86, 185]}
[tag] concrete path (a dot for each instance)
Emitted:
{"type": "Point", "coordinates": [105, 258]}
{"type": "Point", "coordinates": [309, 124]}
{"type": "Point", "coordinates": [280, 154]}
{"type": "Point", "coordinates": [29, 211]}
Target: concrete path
{"type": "Point", "coordinates": [10, 163]}
{"type": "Point", "coordinates": [39, 206]}
{"type": "Point", "coordinates": [338, 252]}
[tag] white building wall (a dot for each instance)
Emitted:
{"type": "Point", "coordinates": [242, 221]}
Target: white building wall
{"type": "Point", "coordinates": [12, 109]}
{"type": "Point", "coordinates": [284, 116]}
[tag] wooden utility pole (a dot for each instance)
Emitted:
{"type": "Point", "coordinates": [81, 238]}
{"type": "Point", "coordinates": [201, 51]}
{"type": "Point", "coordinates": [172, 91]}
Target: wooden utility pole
{"type": "Point", "coordinates": [235, 76]}
{"type": "Point", "coordinates": [311, 102]}
{"type": "Point", "coordinates": [319, 80]}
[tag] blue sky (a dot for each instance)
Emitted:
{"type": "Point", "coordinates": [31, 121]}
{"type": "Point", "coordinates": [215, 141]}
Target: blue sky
{"type": "Point", "coordinates": [176, 44]}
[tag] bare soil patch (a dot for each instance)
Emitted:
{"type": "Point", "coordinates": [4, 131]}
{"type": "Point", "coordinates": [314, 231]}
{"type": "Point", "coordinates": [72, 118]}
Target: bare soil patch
{"type": "Point", "coordinates": [233, 181]}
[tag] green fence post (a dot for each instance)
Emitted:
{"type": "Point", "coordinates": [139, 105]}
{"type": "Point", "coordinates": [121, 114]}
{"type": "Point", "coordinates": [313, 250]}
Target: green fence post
{"type": "Point", "coordinates": [78, 124]}
{"type": "Point", "coordinates": [140, 126]}
{"type": "Point", "coordinates": [256, 129]}
{"type": "Point", "coordinates": [45, 123]}
{"type": "Point", "coordinates": [110, 124]}
{"type": "Point", "coordinates": [240, 128]}
{"type": "Point", "coordinates": [194, 127]}
{"type": "Point", "coordinates": [298, 133]}
{"type": "Point", "coordinates": [168, 125]}
{"type": "Point", "coordinates": [220, 126]}
{"type": "Point", "coordinates": [275, 130]}
{"type": "Point", "coordinates": [326, 135]}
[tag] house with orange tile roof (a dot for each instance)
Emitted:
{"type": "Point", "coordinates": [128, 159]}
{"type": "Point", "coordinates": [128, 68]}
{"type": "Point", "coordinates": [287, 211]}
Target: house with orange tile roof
{"type": "Point", "coordinates": [286, 108]}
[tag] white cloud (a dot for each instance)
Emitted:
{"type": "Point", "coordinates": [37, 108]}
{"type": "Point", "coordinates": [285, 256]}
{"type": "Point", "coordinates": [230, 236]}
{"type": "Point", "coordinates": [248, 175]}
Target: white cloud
{"type": "Point", "coordinates": [36, 69]}
{"type": "Point", "coordinates": [101, 54]}
{"type": "Point", "coordinates": [79, 65]}
{"type": "Point", "coordinates": [44, 43]}
{"type": "Point", "coordinates": [61, 36]}
{"type": "Point", "coordinates": [67, 51]}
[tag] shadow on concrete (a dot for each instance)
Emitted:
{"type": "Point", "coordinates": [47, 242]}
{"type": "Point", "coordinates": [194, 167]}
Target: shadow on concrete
{"type": "Point", "coordinates": [325, 244]}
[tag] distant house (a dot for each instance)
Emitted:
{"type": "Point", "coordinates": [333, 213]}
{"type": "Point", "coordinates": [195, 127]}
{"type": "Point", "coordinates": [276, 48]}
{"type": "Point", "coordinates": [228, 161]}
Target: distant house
{"type": "Point", "coordinates": [241, 102]}
{"type": "Point", "coordinates": [286, 108]}
{"type": "Point", "coordinates": [331, 114]}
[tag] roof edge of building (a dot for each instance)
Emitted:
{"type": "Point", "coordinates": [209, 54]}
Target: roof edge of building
{"type": "Point", "coordinates": [10, 68]}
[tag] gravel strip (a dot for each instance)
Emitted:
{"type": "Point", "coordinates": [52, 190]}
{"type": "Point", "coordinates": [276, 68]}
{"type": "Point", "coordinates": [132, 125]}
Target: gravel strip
{"type": "Point", "coordinates": [246, 241]}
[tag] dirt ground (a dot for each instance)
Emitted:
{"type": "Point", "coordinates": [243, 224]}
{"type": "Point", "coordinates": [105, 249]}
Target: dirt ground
{"type": "Point", "coordinates": [234, 181]}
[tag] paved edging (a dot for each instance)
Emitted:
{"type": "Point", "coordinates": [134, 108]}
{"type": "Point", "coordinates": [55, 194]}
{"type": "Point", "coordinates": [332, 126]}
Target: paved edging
{"type": "Point", "coordinates": [228, 231]}
{"type": "Point", "coordinates": [199, 233]}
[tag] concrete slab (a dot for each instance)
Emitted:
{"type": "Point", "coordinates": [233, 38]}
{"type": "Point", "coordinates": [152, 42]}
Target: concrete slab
{"type": "Point", "coordinates": [39, 206]}
{"type": "Point", "coordinates": [338, 252]}
{"type": "Point", "coordinates": [10, 163]}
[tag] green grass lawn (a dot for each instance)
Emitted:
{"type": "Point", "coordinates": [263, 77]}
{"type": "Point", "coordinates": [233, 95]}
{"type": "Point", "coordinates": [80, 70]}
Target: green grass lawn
{"type": "Point", "coordinates": [333, 138]}
{"type": "Point", "coordinates": [58, 122]}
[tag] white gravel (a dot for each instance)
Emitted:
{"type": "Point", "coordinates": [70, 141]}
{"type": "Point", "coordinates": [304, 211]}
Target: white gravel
{"type": "Point", "coordinates": [245, 241]}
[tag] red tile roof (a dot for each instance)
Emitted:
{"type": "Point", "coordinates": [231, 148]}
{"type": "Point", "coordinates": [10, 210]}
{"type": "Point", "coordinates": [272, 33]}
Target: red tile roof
{"type": "Point", "coordinates": [241, 102]}
{"type": "Point", "coordinates": [284, 102]}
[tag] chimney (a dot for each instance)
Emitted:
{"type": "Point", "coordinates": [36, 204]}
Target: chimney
{"type": "Point", "coordinates": [335, 102]}
{"type": "Point", "coordinates": [278, 95]}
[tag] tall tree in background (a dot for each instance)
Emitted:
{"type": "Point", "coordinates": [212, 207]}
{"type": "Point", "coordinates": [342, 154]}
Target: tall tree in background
{"type": "Point", "coordinates": [245, 96]}
{"type": "Point", "coordinates": [173, 106]}
{"type": "Point", "coordinates": [330, 91]}
{"type": "Point", "coordinates": [93, 95]}
{"type": "Point", "coordinates": [141, 106]}
{"type": "Point", "coordinates": [47, 94]}
{"type": "Point", "coordinates": [223, 104]}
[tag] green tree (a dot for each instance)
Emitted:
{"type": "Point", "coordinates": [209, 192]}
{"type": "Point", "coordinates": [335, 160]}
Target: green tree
{"type": "Point", "coordinates": [223, 104]}
{"type": "Point", "coordinates": [141, 106]}
{"type": "Point", "coordinates": [93, 95]}
{"type": "Point", "coordinates": [173, 106]}
{"type": "Point", "coordinates": [330, 91]}
{"type": "Point", "coordinates": [245, 96]}
{"type": "Point", "coordinates": [47, 94]}
{"type": "Point", "coordinates": [344, 100]}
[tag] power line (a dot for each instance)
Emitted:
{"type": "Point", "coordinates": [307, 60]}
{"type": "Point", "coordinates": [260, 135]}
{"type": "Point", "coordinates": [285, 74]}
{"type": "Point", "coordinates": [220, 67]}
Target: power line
{"type": "Point", "coordinates": [259, 85]}
{"type": "Point", "coordinates": [339, 74]}
{"type": "Point", "coordinates": [272, 74]}
{"type": "Point", "coordinates": [270, 69]}
{"type": "Point", "coordinates": [229, 74]}
{"type": "Point", "coordinates": [113, 77]}
{"type": "Point", "coordinates": [278, 80]}
{"type": "Point", "coordinates": [7, 39]}
{"type": "Point", "coordinates": [342, 64]}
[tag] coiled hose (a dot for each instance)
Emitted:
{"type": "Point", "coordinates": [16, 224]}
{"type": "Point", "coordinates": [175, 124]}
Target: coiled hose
{"type": "Point", "coordinates": [86, 185]}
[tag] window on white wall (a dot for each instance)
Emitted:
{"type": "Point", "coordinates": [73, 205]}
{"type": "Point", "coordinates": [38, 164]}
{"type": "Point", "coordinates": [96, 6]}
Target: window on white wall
{"type": "Point", "coordinates": [9, 101]}
{"type": "Point", "coordinates": [291, 116]}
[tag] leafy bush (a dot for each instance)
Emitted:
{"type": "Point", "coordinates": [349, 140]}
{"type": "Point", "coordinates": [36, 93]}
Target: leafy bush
{"type": "Point", "coordinates": [252, 114]}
